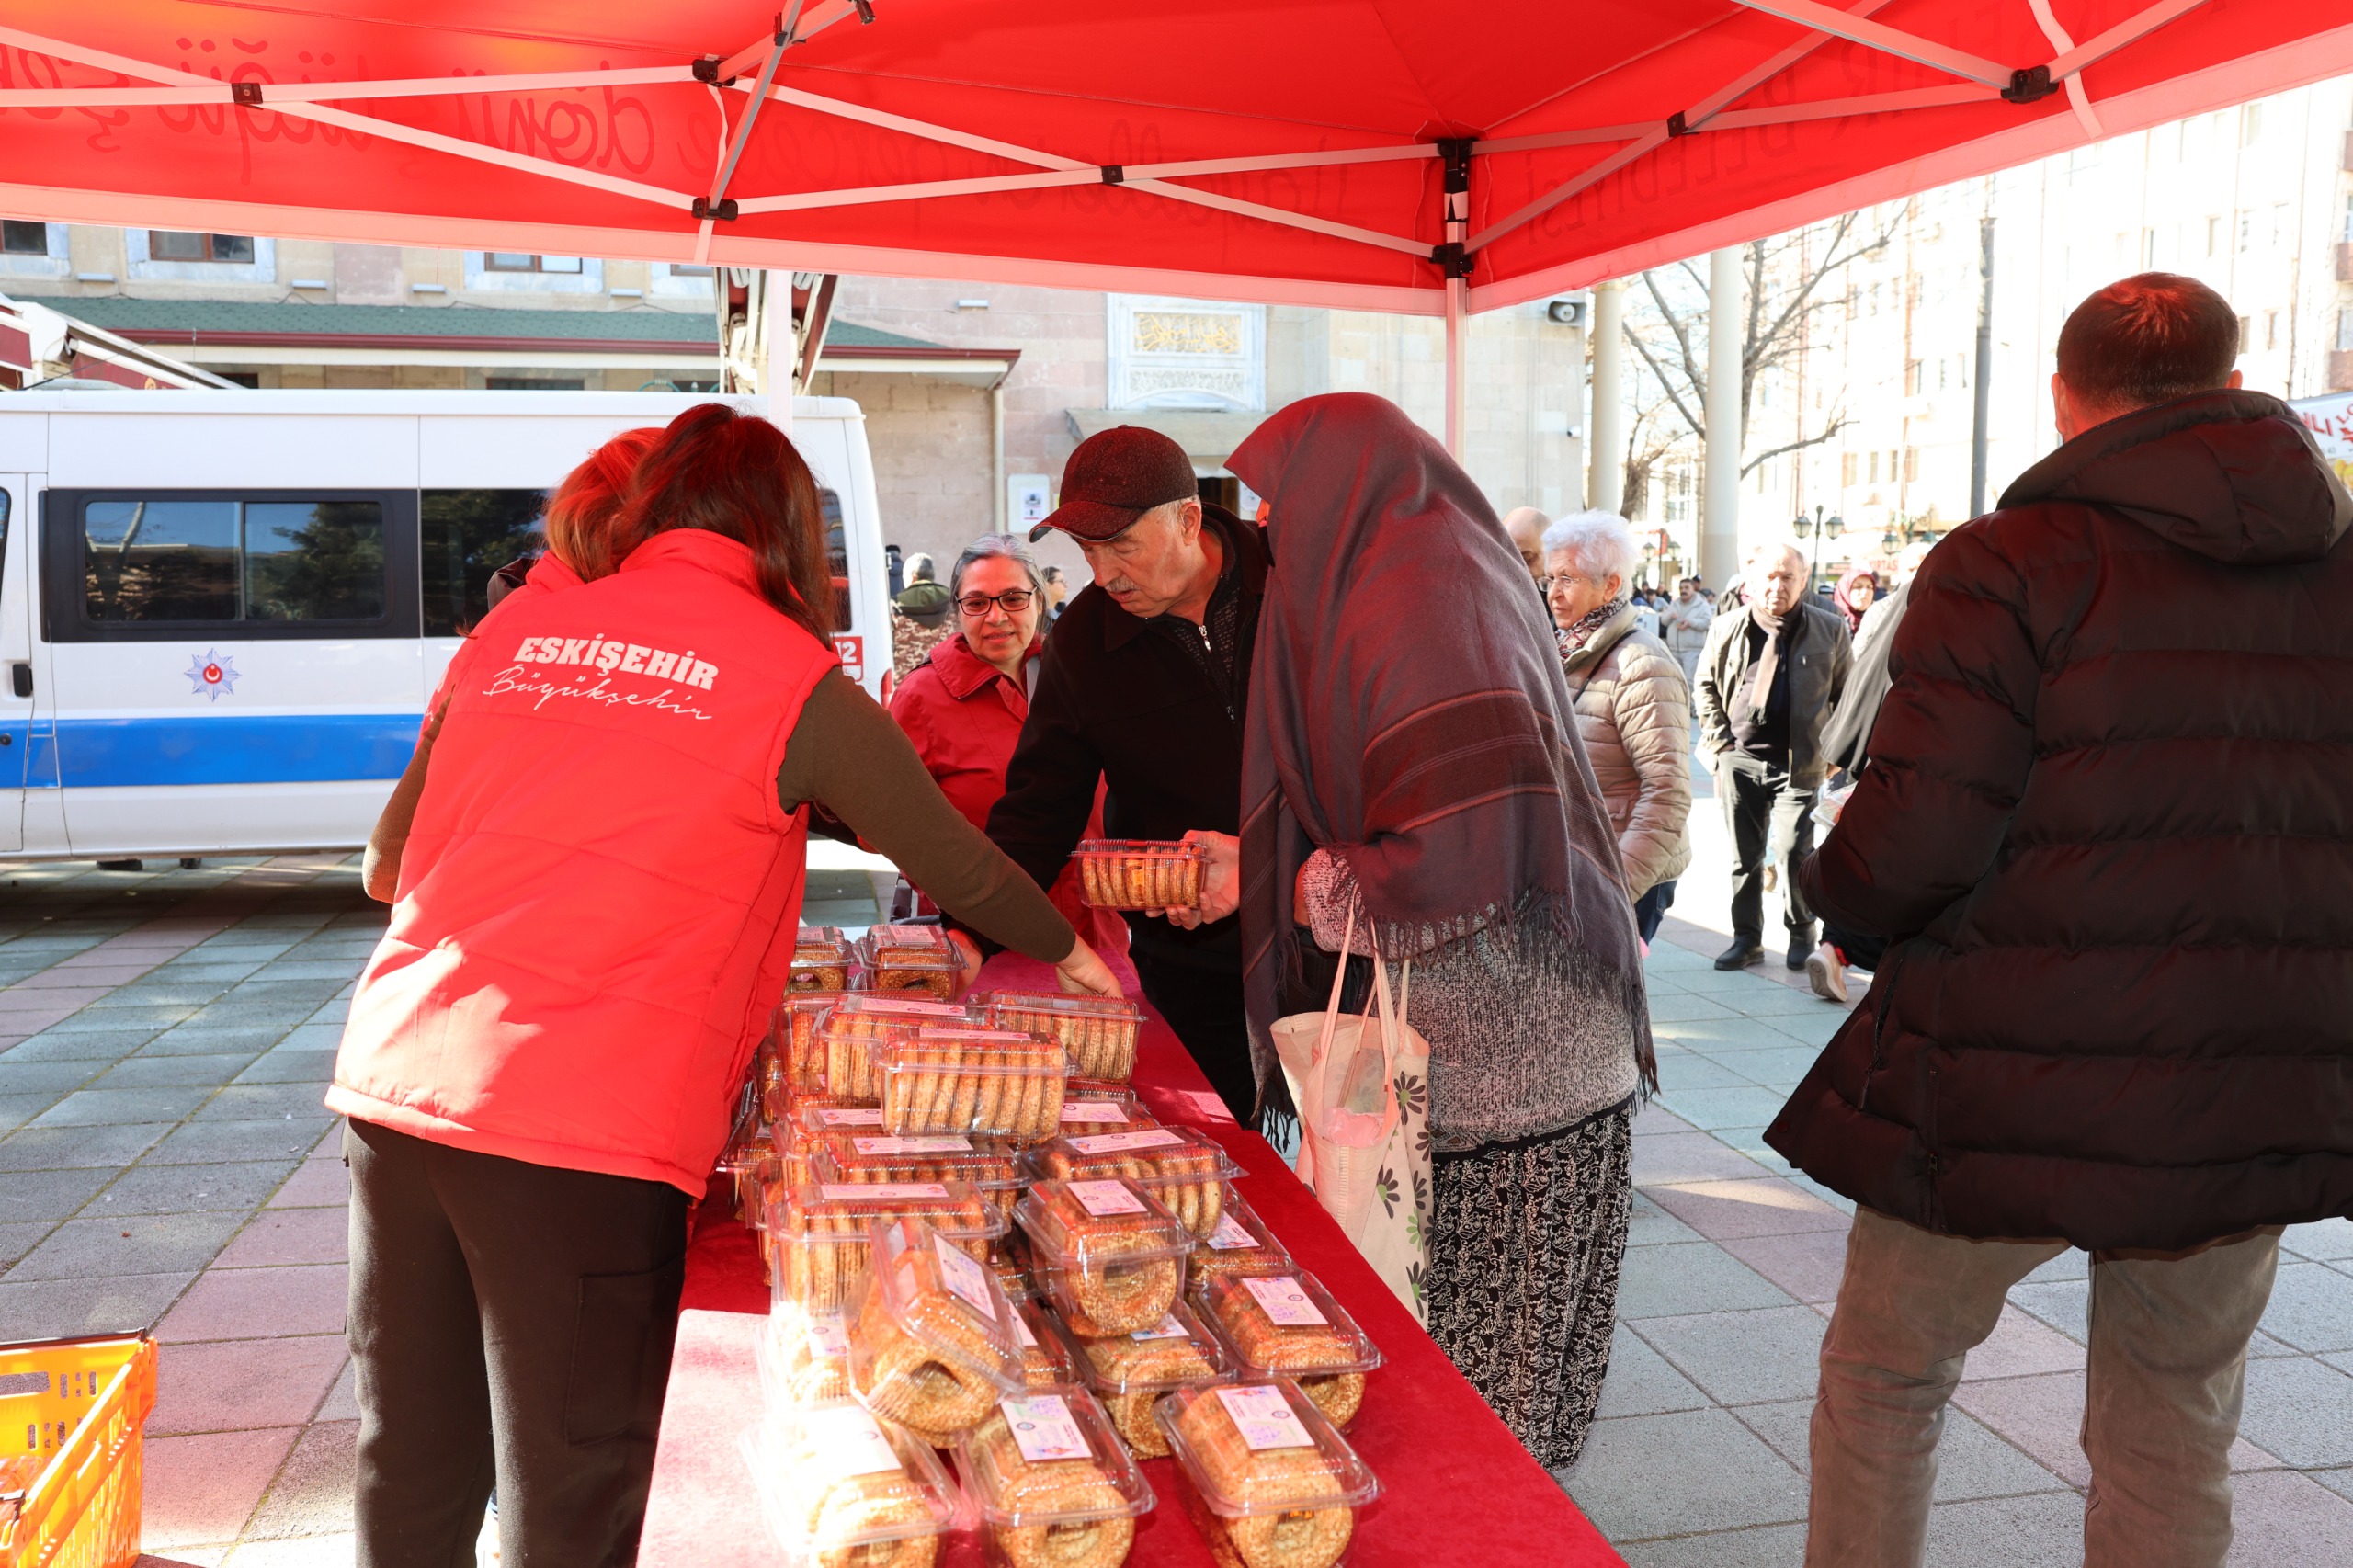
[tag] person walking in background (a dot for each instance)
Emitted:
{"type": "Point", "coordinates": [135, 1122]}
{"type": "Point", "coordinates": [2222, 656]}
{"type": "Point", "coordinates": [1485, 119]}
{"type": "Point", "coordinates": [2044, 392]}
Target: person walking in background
{"type": "Point", "coordinates": [1057, 590]}
{"type": "Point", "coordinates": [2104, 827]}
{"type": "Point", "coordinates": [1855, 591]}
{"type": "Point", "coordinates": [1435, 786]}
{"type": "Point", "coordinates": [962, 708]}
{"type": "Point", "coordinates": [1683, 627]}
{"type": "Point", "coordinates": [1525, 526]}
{"type": "Point", "coordinates": [1768, 676]}
{"type": "Point", "coordinates": [1645, 606]}
{"type": "Point", "coordinates": [1633, 708]}
{"type": "Point", "coordinates": [1845, 746]}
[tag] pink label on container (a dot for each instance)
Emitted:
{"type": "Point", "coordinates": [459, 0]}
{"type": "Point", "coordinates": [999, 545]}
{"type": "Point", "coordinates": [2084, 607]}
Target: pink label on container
{"type": "Point", "coordinates": [1264, 1417]}
{"type": "Point", "coordinates": [886, 1189]}
{"type": "Point", "coordinates": [1284, 1303]}
{"type": "Point", "coordinates": [1169, 1328]}
{"type": "Point", "coordinates": [1022, 1332]}
{"type": "Point", "coordinates": [1114, 1143]}
{"type": "Point", "coordinates": [1043, 1428]}
{"type": "Point", "coordinates": [851, 1116]}
{"type": "Point", "coordinates": [1105, 1200]}
{"type": "Point", "coordinates": [827, 1336]}
{"type": "Point", "coordinates": [849, 1440]}
{"type": "Point", "coordinates": [964, 1279]}
{"type": "Point", "coordinates": [873, 1004]}
{"type": "Point", "coordinates": [942, 1145]}
{"type": "Point", "coordinates": [1230, 1236]}
{"type": "Point", "coordinates": [1094, 1110]}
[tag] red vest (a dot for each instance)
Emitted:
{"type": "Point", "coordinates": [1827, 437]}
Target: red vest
{"type": "Point", "coordinates": [597, 899]}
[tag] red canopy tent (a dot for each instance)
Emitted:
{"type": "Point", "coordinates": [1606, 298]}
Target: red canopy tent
{"type": "Point", "coordinates": [1383, 155]}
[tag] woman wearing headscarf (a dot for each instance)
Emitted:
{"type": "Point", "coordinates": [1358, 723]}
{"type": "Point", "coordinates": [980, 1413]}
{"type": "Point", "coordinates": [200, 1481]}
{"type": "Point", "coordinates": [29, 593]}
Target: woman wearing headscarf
{"type": "Point", "coordinates": [1413, 757]}
{"type": "Point", "coordinates": [1855, 591]}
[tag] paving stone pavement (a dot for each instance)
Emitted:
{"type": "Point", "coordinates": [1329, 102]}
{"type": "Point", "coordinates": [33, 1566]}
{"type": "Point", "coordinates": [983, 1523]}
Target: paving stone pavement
{"type": "Point", "coordinates": [1698, 1458]}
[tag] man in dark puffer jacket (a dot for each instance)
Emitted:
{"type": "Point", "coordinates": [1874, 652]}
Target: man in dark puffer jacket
{"type": "Point", "coordinates": [2108, 824]}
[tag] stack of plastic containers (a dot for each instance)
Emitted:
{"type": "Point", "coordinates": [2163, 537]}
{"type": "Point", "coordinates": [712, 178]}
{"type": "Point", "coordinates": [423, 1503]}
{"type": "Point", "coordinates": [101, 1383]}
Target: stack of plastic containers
{"type": "Point", "coordinates": [980, 1243]}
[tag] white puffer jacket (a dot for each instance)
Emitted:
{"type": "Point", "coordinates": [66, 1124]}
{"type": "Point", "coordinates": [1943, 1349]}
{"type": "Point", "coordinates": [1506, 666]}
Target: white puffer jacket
{"type": "Point", "coordinates": [1634, 715]}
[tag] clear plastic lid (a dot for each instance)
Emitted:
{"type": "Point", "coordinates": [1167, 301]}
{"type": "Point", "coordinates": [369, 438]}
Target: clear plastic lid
{"type": "Point", "coordinates": [909, 958]}
{"type": "Point", "coordinates": [1096, 1105]}
{"type": "Point", "coordinates": [850, 1034]}
{"type": "Point", "coordinates": [1286, 1324]}
{"type": "Point", "coordinates": [826, 1114]}
{"type": "Point", "coordinates": [1135, 873]}
{"type": "Point", "coordinates": [818, 1232]}
{"type": "Point", "coordinates": [1048, 1460]}
{"type": "Point", "coordinates": [793, 1044]}
{"type": "Point", "coordinates": [1098, 1033]}
{"type": "Point", "coordinates": [803, 1358]}
{"type": "Point", "coordinates": [1178, 1351]}
{"type": "Point", "coordinates": [932, 1343]}
{"type": "Point", "coordinates": [833, 1480]}
{"type": "Point", "coordinates": [822, 957]}
{"type": "Point", "coordinates": [1106, 1252]}
{"type": "Point", "coordinates": [1239, 1243]}
{"type": "Point", "coordinates": [1047, 1357]}
{"type": "Point", "coordinates": [993, 1083]}
{"type": "Point", "coordinates": [988, 1167]}
{"type": "Point", "coordinates": [1252, 1449]}
{"type": "Point", "coordinates": [1185, 1169]}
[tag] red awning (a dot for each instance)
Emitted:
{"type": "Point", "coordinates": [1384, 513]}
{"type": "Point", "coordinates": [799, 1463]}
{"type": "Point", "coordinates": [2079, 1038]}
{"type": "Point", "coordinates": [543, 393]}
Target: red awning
{"type": "Point", "coordinates": [1280, 150]}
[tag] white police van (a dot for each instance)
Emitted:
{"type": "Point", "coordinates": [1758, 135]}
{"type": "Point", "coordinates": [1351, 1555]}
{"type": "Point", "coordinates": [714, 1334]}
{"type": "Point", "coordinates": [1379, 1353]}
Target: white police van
{"type": "Point", "coordinates": [222, 613]}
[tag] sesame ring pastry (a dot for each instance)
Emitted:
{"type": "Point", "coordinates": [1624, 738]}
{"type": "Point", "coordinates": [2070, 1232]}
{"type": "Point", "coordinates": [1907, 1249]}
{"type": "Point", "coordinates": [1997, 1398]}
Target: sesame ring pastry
{"type": "Point", "coordinates": [1096, 1527]}
{"type": "Point", "coordinates": [1128, 1375]}
{"type": "Point", "coordinates": [1289, 1324]}
{"type": "Point", "coordinates": [1185, 1170]}
{"type": "Point", "coordinates": [1111, 1255]}
{"type": "Point", "coordinates": [846, 1517]}
{"type": "Point", "coordinates": [1315, 1534]}
{"type": "Point", "coordinates": [937, 1385]}
{"type": "Point", "coordinates": [825, 1235]}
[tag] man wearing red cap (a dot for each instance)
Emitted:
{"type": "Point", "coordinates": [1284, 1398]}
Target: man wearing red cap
{"type": "Point", "coordinates": [1142, 685]}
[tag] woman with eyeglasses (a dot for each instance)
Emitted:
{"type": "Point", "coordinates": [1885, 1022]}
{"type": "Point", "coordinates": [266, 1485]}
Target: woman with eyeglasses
{"type": "Point", "coordinates": [964, 705]}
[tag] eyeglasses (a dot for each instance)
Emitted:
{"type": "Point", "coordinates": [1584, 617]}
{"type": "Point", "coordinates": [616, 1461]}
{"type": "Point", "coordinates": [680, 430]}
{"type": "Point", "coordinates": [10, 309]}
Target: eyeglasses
{"type": "Point", "coordinates": [1545, 583]}
{"type": "Point", "coordinates": [1015, 601]}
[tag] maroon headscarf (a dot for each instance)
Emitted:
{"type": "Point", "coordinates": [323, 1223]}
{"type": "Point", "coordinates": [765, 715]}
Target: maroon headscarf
{"type": "Point", "coordinates": [1845, 597]}
{"type": "Point", "coordinates": [1408, 711]}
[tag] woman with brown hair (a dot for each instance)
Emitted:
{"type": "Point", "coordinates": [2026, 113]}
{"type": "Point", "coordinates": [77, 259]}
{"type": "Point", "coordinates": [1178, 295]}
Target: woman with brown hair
{"type": "Point", "coordinates": [596, 918]}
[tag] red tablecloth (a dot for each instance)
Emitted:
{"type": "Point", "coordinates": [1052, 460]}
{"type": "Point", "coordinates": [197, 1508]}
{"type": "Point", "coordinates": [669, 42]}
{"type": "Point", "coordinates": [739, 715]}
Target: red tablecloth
{"type": "Point", "coordinates": [1458, 1488]}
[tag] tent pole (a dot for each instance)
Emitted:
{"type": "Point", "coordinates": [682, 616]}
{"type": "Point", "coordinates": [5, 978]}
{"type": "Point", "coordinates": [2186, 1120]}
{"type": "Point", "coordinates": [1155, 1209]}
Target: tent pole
{"type": "Point", "coordinates": [1457, 293]}
{"type": "Point", "coordinates": [1719, 513]}
{"type": "Point", "coordinates": [1607, 437]}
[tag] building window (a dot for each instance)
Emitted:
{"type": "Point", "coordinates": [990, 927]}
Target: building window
{"type": "Point", "coordinates": [176, 244]}
{"type": "Point", "coordinates": [680, 282]}
{"type": "Point", "coordinates": [1874, 477]}
{"type": "Point", "coordinates": [2247, 233]}
{"type": "Point", "coordinates": [2246, 334]}
{"type": "Point", "coordinates": [2345, 331]}
{"type": "Point", "coordinates": [519, 261]}
{"type": "Point", "coordinates": [1846, 470]}
{"type": "Point", "coordinates": [33, 250]}
{"type": "Point", "coordinates": [2250, 125]}
{"type": "Point", "coordinates": [1911, 465]}
{"type": "Point", "coordinates": [1911, 378]}
{"type": "Point", "coordinates": [19, 238]}
{"type": "Point", "coordinates": [2214, 231]}
{"type": "Point", "coordinates": [523, 272]}
{"type": "Point", "coordinates": [2271, 329]}
{"type": "Point", "coordinates": [176, 253]}
{"type": "Point", "coordinates": [534, 383]}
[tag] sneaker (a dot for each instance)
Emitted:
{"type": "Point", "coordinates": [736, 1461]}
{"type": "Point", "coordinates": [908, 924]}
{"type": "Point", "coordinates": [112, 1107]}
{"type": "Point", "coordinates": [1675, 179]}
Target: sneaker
{"type": "Point", "coordinates": [1741, 954]}
{"type": "Point", "coordinates": [1826, 970]}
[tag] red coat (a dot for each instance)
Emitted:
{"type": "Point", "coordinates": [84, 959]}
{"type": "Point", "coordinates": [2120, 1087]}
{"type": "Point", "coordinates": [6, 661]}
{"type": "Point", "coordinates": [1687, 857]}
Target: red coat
{"type": "Point", "coordinates": [964, 718]}
{"type": "Point", "coordinates": [599, 898]}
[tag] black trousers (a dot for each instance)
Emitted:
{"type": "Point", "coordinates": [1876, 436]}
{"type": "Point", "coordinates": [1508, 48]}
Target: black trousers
{"type": "Point", "coordinates": [1204, 1007]}
{"type": "Point", "coordinates": [1769, 821]}
{"type": "Point", "coordinates": [508, 1321]}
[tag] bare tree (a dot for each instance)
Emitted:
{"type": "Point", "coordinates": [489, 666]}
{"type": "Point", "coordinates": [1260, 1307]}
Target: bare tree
{"type": "Point", "coordinates": [1651, 436]}
{"type": "Point", "coordinates": [1789, 279]}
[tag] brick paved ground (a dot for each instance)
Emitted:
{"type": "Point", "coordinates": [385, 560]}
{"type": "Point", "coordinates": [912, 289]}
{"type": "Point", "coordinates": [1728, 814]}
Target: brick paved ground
{"type": "Point", "coordinates": [164, 1038]}
{"type": "Point", "coordinates": [1699, 1460]}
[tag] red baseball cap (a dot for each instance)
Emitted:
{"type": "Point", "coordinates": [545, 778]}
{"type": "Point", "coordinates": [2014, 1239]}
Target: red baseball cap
{"type": "Point", "coordinates": [1116, 476]}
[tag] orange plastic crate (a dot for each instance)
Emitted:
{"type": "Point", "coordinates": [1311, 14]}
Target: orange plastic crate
{"type": "Point", "coordinates": [82, 1403]}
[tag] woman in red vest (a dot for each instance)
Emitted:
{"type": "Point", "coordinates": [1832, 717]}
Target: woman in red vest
{"type": "Point", "coordinates": [963, 706]}
{"type": "Point", "coordinates": [597, 904]}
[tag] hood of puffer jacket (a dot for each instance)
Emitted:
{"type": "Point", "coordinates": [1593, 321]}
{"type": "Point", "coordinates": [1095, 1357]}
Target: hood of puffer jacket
{"type": "Point", "coordinates": [2232, 475]}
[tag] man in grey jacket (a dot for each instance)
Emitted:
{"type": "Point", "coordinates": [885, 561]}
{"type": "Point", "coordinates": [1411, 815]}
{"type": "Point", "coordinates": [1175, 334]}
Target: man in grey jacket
{"type": "Point", "coordinates": [1767, 678]}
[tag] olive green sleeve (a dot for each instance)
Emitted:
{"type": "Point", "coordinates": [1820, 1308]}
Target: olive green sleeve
{"type": "Point", "coordinates": [847, 755]}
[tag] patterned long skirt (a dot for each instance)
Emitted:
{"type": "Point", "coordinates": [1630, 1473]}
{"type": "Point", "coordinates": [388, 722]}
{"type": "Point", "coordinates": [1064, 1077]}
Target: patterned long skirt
{"type": "Point", "coordinates": [1525, 1244]}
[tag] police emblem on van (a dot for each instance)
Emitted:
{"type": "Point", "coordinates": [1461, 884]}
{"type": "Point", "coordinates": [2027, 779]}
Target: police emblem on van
{"type": "Point", "coordinates": [210, 675]}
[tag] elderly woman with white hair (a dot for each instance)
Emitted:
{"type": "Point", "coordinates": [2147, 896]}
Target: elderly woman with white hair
{"type": "Point", "coordinates": [1633, 710]}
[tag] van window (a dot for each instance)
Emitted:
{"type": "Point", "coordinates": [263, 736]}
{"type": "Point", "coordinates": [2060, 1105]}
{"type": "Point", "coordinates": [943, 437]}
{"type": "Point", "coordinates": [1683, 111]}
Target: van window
{"type": "Point", "coordinates": [467, 535]}
{"type": "Point", "coordinates": [829, 507]}
{"type": "Point", "coordinates": [150, 559]}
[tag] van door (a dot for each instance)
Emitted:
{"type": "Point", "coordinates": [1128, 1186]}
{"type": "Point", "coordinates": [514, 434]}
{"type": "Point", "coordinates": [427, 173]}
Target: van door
{"type": "Point", "coordinates": [15, 657]}
{"type": "Point", "coordinates": [232, 669]}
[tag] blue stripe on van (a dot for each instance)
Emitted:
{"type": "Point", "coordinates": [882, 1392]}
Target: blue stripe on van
{"type": "Point", "coordinates": [240, 748]}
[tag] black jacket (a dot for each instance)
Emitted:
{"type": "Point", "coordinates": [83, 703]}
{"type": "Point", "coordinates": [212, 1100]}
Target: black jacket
{"type": "Point", "coordinates": [1818, 657]}
{"type": "Point", "coordinates": [1120, 700]}
{"type": "Point", "coordinates": [2108, 817]}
